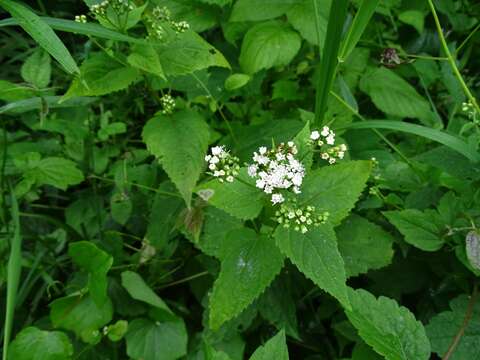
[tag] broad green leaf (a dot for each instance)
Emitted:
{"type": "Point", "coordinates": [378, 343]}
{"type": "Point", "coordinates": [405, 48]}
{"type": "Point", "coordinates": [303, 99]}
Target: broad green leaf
{"type": "Point", "coordinates": [100, 75]}
{"type": "Point", "coordinates": [217, 224]}
{"type": "Point", "coordinates": [316, 255]}
{"type": "Point", "coordinates": [363, 245]}
{"type": "Point", "coordinates": [444, 326]}
{"type": "Point", "coordinates": [139, 290]}
{"type": "Point", "coordinates": [390, 329]}
{"type": "Point", "coordinates": [336, 188]}
{"type": "Point", "coordinates": [395, 96]}
{"type": "Point", "coordinates": [155, 340]}
{"type": "Point", "coordinates": [413, 17]}
{"type": "Point", "coordinates": [267, 45]}
{"type": "Point", "coordinates": [145, 58]}
{"type": "Point", "coordinates": [245, 273]}
{"type": "Point", "coordinates": [421, 229]}
{"type": "Point", "coordinates": [253, 10]}
{"type": "Point", "coordinates": [273, 349]}
{"type": "Point", "coordinates": [34, 344]}
{"type": "Point", "coordinates": [302, 17]}
{"type": "Point", "coordinates": [187, 53]}
{"type": "Point", "coordinates": [14, 92]}
{"type": "Point", "coordinates": [121, 207]}
{"type": "Point", "coordinates": [81, 315]}
{"type": "Point", "coordinates": [236, 81]}
{"type": "Point", "coordinates": [96, 263]}
{"type": "Point", "coordinates": [199, 16]}
{"type": "Point", "coordinates": [240, 198]}
{"type": "Point", "coordinates": [180, 143]}
{"type": "Point", "coordinates": [41, 33]}
{"type": "Point", "coordinates": [37, 69]}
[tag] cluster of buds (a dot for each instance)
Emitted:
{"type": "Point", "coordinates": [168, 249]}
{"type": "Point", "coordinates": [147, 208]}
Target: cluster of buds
{"type": "Point", "coordinates": [100, 9]}
{"type": "Point", "coordinates": [81, 19]}
{"type": "Point", "coordinates": [469, 109]}
{"type": "Point", "coordinates": [299, 218]}
{"type": "Point", "coordinates": [162, 16]}
{"type": "Point", "coordinates": [222, 165]}
{"type": "Point", "coordinates": [325, 140]}
{"type": "Point", "coordinates": [277, 169]}
{"type": "Point", "coordinates": [121, 6]}
{"type": "Point", "coordinates": [168, 104]}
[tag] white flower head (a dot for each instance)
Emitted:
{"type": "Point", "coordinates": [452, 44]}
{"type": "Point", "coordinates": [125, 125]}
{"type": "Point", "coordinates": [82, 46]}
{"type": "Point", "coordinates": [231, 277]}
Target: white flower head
{"type": "Point", "coordinates": [223, 165]}
{"type": "Point", "coordinates": [325, 131]}
{"type": "Point", "coordinates": [315, 135]}
{"type": "Point", "coordinates": [277, 199]}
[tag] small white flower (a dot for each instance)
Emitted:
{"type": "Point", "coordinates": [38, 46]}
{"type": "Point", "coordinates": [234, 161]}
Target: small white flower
{"type": "Point", "coordinates": [262, 150]}
{"type": "Point", "coordinates": [214, 160]}
{"type": "Point", "coordinates": [330, 139]}
{"type": "Point", "coordinates": [325, 156]}
{"type": "Point", "coordinates": [260, 184]}
{"type": "Point", "coordinates": [315, 135]}
{"type": "Point", "coordinates": [229, 179]}
{"type": "Point", "coordinates": [208, 157]}
{"type": "Point", "coordinates": [332, 161]}
{"type": "Point", "coordinates": [325, 131]}
{"type": "Point", "coordinates": [297, 179]}
{"type": "Point", "coordinates": [277, 199]}
{"type": "Point", "coordinates": [217, 150]}
{"type": "Point", "coordinates": [212, 166]}
{"type": "Point", "coordinates": [252, 170]}
{"type": "Point", "coordinates": [291, 144]}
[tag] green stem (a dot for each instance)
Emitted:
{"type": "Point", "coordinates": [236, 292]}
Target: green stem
{"type": "Point", "coordinates": [464, 42]}
{"type": "Point", "coordinates": [451, 59]}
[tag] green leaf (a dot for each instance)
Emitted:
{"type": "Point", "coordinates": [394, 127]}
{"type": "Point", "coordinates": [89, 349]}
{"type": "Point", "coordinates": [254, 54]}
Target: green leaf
{"type": "Point", "coordinates": [81, 315]}
{"type": "Point", "coordinates": [390, 329]}
{"type": "Point", "coordinates": [236, 81]}
{"type": "Point", "coordinates": [302, 17]}
{"type": "Point", "coordinates": [100, 75]}
{"type": "Point", "coordinates": [253, 10]}
{"type": "Point", "coordinates": [180, 143]}
{"type": "Point", "coordinates": [34, 344]}
{"type": "Point", "coordinates": [444, 327]}
{"type": "Point", "coordinates": [240, 198]}
{"type": "Point", "coordinates": [199, 16]}
{"type": "Point", "coordinates": [41, 33]}
{"type": "Point", "coordinates": [149, 340]}
{"type": "Point", "coordinates": [316, 255]}
{"type": "Point", "coordinates": [363, 245]}
{"type": "Point", "coordinates": [421, 229]}
{"type": "Point", "coordinates": [187, 53]}
{"type": "Point", "coordinates": [395, 96]}
{"type": "Point", "coordinates": [246, 271]}
{"type": "Point", "coordinates": [139, 290]}
{"type": "Point", "coordinates": [97, 263]}
{"type": "Point", "coordinates": [117, 331]}
{"type": "Point", "coordinates": [360, 21]}
{"type": "Point", "coordinates": [37, 69]}
{"type": "Point", "coordinates": [217, 225]}
{"type": "Point", "coordinates": [267, 45]}
{"type": "Point", "coordinates": [414, 18]}
{"type": "Point", "coordinates": [39, 103]}
{"type": "Point", "coordinates": [121, 207]}
{"type": "Point", "coordinates": [274, 349]}
{"type": "Point", "coordinates": [13, 92]}
{"type": "Point", "coordinates": [441, 137]}
{"type": "Point", "coordinates": [336, 188]}
{"type": "Point", "coordinates": [145, 58]}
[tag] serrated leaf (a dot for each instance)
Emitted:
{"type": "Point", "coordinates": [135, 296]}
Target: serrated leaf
{"type": "Point", "coordinates": [395, 96]}
{"type": "Point", "coordinates": [420, 228]}
{"type": "Point", "coordinates": [445, 326]}
{"type": "Point", "coordinates": [363, 245]}
{"type": "Point", "coordinates": [144, 57]}
{"type": "Point", "coordinates": [34, 344]}
{"type": "Point", "coordinates": [274, 349]}
{"type": "Point", "coordinates": [245, 273]}
{"type": "Point", "coordinates": [96, 263]}
{"type": "Point", "coordinates": [316, 255]}
{"type": "Point", "coordinates": [101, 75]}
{"type": "Point", "coordinates": [37, 69]}
{"type": "Point", "coordinates": [302, 18]}
{"type": "Point", "coordinates": [81, 315]}
{"type": "Point", "coordinates": [240, 198]}
{"type": "Point", "coordinates": [149, 340]}
{"type": "Point", "coordinates": [336, 188]}
{"type": "Point", "coordinates": [267, 45]}
{"type": "Point", "coordinates": [390, 329]}
{"type": "Point", "coordinates": [180, 143]}
{"type": "Point", "coordinates": [253, 10]}
{"type": "Point", "coordinates": [139, 290]}
{"type": "Point", "coordinates": [187, 53]}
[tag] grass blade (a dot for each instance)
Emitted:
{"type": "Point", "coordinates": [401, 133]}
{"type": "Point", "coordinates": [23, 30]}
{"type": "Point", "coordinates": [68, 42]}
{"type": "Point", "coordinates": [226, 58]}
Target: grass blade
{"type": "Point", "coordinates": [360, 22]}
{"type": "Point", "coordinates": [13, 274]}
{"type": "Point", "coordinates": [329, 56]}
{"type": "Point", "coordinates": [48, 102]}
{"type": "Point", "coordinates": [441, 137]}
{"type": "Point", "coordinates": [41, 33]}
{"type": "Point", "coordinates": [89, 29]}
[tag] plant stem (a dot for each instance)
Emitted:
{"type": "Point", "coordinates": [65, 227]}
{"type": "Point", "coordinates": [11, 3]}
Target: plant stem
{"type": "Point", "coordinates": [451, 59]}
{"type": "Point", "coordinates": [181, 281]}
{"type": "Point", "coordinates": [466, 320]}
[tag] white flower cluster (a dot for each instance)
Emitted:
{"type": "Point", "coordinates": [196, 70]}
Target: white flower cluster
{"type": "Point", "coordinates": [300, 219]}
{"type": "Point", "coordinates": [168, 104]}
{"type": "Point", "coordinates": [119, 6]}
{"type": "Point", "coordinates": [222, 165]}
{"type": "Point", "coordinates": [80, 19]}
{"type": "Point", "coordinates": [100, 9]}
{"type": "Point", "coordinates": [160, 17]}
{"type": "Point", "coordinates": [325, 140]}
{"type": "Point", "coordinates": [277, 169]}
